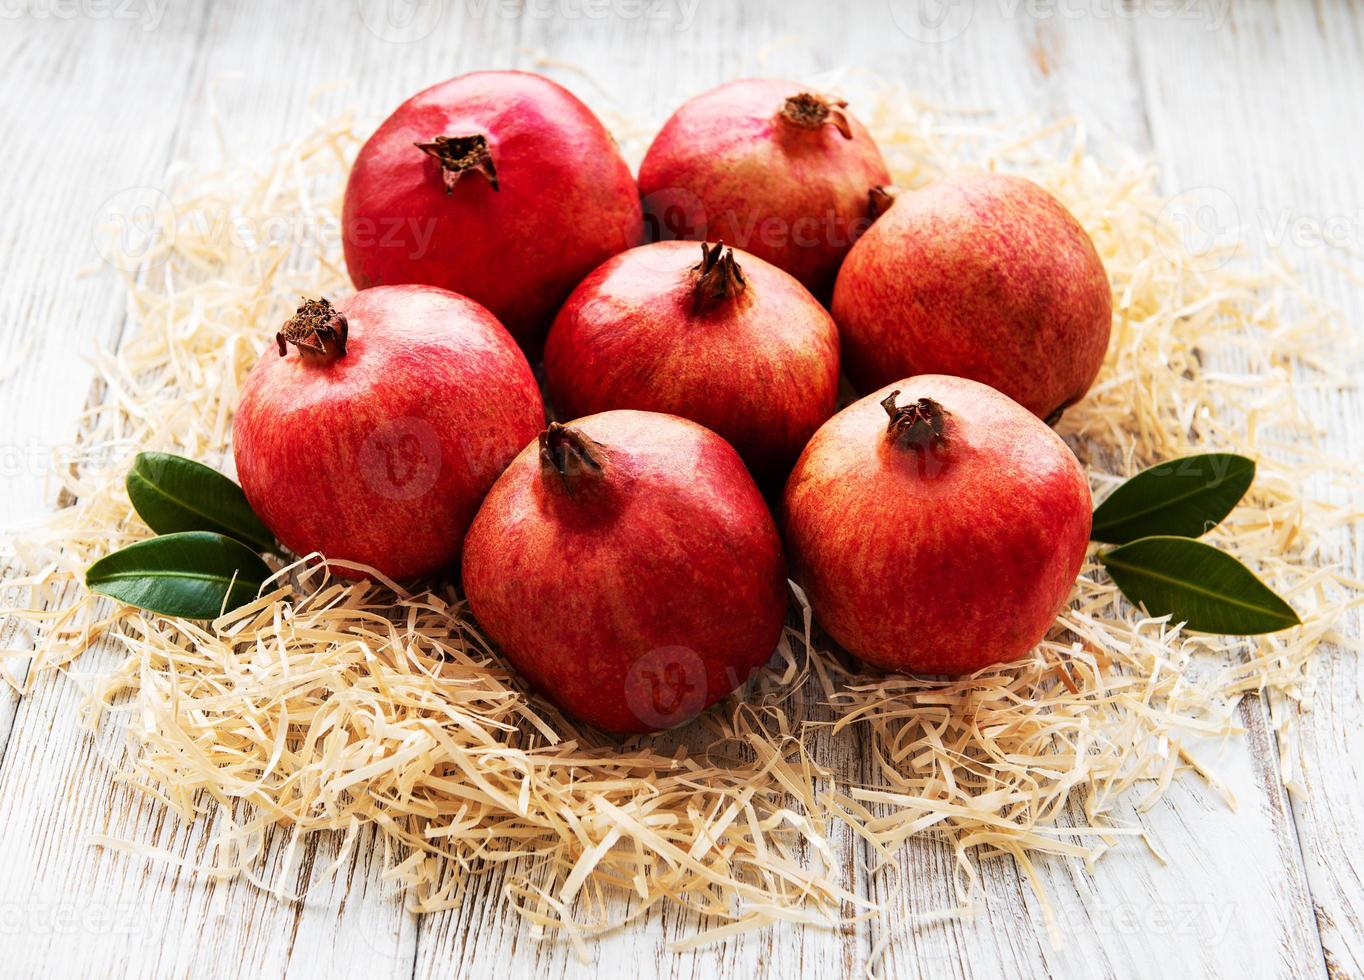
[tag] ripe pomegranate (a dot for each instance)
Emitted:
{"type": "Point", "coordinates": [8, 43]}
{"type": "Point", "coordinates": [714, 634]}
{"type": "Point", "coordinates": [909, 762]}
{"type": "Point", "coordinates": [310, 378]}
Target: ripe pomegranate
{"type": "Point", "coordinates": [785, 174]}
{"type": "Point", "coordinates": [376, 436]}
{"type": "Point", "coordinates": [627, 566]}
{"type": "Point", "coordinates": [985, 276]}
{"type": "Point", "coordinates": [499, 185]}
{"type": "Point", "coordinates": [936, 526]}
{"type": "Point", "coordinates": [728, 341]}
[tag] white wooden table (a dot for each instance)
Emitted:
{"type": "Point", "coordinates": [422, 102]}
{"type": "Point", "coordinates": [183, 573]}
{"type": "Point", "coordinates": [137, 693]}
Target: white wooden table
{"type": "Point", "coordinates": [1262, 101]}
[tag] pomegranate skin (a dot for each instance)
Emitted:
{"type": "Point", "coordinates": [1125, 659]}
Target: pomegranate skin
{"type": "Point", "coordinates": [382, 454]}
{"type": "Point", "coordinates": [758, 365]}
{"type": "Point", "coordinates": [564, 199]}
{"type": "Point", "coordinates": [984, 276]}
{"type": "Point", "coordinates": [627, 566]}
{"type": "Point", "coordinates": [941, 555]}
{"type": "Point", "coordinates": [731, 165]}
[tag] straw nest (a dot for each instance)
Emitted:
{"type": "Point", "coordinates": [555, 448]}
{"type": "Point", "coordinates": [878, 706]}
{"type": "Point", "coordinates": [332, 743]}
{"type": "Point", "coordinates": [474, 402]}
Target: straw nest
{"type": "Point", "coordinates": [364, 709]}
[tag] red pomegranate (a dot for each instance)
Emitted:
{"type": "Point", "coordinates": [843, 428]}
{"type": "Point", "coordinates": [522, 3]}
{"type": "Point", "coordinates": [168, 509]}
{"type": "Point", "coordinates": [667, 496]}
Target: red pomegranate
{"type": "Point", "coordinates": [376, 436]}
{"type": "Point", "coordinates": [499, 185]}
{"type": "Point", "coordinates": [936, 526]}
{"type": "Point", "coordinates": [985, 276]}
{"type": "Point", "coordinates": [721, 338]}
{"type": "Point", "coordinates": [627, 566]}
{"type": "Point", "coordinates": [771, 167]}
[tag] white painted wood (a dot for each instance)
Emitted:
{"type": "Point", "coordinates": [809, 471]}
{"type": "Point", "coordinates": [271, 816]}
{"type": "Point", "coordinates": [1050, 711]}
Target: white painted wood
{"type": "Point", "coordinates": [1262, 102]}
{"type": "Point", "coordinates": [1293, 70]}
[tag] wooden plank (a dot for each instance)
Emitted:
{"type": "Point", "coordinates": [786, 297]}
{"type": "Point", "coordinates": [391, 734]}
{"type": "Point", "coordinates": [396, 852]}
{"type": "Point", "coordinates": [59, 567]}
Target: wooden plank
{"type": "Point", "coordinates": [646, 66]}
{"type": "Point", "coordinates": [1272, 87]}
{"type": "Point", "coordinates": [1131, 916]}
{"type": "Point", "coordinates": [120, 122]}
{"type": "Point", "coordinates": [1056, 67]}
{"type": "Point", "coordinates": [97, 911]}
{"type": "Point", "coordinates": [1234, 896]}
{"type": "Point", "coordinates": [91, 107]}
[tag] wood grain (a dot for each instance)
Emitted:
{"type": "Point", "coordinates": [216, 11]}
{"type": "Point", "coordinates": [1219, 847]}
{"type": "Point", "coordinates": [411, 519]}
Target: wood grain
{"type": "Point", "coordinates": [1260, 102]}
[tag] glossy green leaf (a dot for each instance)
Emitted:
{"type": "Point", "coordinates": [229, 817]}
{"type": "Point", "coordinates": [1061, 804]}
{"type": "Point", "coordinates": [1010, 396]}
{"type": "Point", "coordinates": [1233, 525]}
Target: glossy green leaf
{"type": "Point", "coordinates": [173, 494]}
{"type": "Point", "coordinates": [194, 574]}
{"type": "Point", "coordinates": [1183, 497]}
{"type": "Point", "coordinates": [1195, 583]}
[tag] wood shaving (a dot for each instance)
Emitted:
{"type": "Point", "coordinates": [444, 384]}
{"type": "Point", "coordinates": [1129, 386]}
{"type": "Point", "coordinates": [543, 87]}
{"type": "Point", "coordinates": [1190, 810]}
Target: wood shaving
{"type": "Point", "coordinates": [333, 707]}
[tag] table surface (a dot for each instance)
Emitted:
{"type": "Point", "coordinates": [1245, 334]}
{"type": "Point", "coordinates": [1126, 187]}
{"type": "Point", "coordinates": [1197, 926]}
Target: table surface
{"type": "Point", "coordinates": [1261, 101]}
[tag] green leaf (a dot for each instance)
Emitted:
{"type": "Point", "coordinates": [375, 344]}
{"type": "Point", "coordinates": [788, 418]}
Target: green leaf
{"type": "Point", "coordinates": [1195, 583]}
{"type": "Point", "coordinates": [194, 574]}
{"type": "Point", "coordinates": [1184, 497]}
{"type": "Point", "coordinates": [172, 494]}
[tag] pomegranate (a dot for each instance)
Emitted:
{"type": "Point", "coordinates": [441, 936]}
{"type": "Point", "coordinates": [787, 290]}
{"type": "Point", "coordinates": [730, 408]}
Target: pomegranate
{"type": "Point", "coordinates": [936, 526]}
{"type": "Point", "coordinates": [985, 276]}
{"type": "Point", "coordinates": [376, 436]}
{"type": "Point", "coordinates": [627, 566]}
{"type": "Point", "coordinates": [727, 340]}
{"type": "Point", "coordinates": [499, 185]}
{"type": "Point", "coordinates": [782, 172]}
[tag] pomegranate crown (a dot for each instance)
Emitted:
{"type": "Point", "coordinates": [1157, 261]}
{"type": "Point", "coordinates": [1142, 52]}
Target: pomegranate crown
{"type": "Point", "coordinates": [459, 155]}
{"type": "Point", "coordinates": [317, 329]}
{"type": "Point", "coordinates": [717, 277]}
{"type": "Point", "coordinates": [919, 425]}
{"type": "Point", "coordinates": [879, 200]}
{"type": "Point", "coordinates": [810, 111]}
{"type": "Point", "coordinates": [568, 454]}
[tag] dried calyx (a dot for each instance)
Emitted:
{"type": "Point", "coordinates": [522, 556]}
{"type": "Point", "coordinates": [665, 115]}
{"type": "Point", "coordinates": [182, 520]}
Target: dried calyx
{"type": "Point", "coordinates": [569, 456]}
{"type": "Point", "coordinates": [879, 200]}
{"type": "Point", "coordinates": [459, 155]}
{"type": "Point", "coordinates": [918, 425]}
{"type": "Point", "coordinates": [317, 329]}
{"type": "Point", "coordinates": [716, 278]}
{"type": "Point", "coordinates": [810, 111]}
